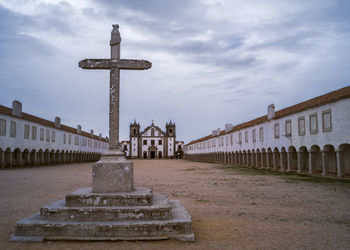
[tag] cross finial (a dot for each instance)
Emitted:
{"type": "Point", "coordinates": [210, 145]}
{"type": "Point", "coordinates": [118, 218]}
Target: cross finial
{"type": "Point", "coordinates": [115, 35]}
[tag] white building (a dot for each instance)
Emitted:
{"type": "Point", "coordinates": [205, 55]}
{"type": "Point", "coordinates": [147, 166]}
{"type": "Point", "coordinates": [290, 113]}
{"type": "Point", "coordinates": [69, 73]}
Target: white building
{"type": "Point", "coordinates": [309, 137]}
{"type": "Point", "coordinates": [152, 142]}
{"type": "Point", "coordinates": [27, 140]}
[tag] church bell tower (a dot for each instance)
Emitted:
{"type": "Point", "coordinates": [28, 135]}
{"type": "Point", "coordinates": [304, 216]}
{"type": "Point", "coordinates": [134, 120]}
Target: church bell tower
{"type": "Point", "coordinates": [134, 139]}
{"type": "Point", "coordinates": [171, 138]}
{"type": "Point", "coordinates": [170, 129]}
{"type": "Point", "coordinates": [134, 129]}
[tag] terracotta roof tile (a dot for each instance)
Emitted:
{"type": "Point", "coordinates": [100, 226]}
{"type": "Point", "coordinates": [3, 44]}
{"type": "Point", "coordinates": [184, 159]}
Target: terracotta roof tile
{"type": "Point", "coordinates": [311, 103]}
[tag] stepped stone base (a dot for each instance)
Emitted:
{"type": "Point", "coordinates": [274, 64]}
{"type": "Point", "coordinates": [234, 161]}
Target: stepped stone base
{"type": "Point", "coordinates": [111, 210]}
{"type": "Point", "coordinates": [159, 210]}
{"type": "Point", "coordinates": [85, 198]}
{"type": "Point", "coordinates": [139, 215]}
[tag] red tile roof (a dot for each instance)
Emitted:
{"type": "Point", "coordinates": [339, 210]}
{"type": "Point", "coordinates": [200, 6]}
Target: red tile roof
{"type": "Point", "coordinates": [312, 103]}
{"type": "Point", "coordinates": [31, 118]}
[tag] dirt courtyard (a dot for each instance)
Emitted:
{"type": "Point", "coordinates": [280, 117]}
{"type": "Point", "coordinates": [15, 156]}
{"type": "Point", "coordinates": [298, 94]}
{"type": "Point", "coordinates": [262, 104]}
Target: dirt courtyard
{"type": "Point", "coordinates": [231, 207]}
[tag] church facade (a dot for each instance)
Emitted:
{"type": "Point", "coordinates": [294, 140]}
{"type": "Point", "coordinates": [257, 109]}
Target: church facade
{"type": "Point", "coordinates": [153, 142]}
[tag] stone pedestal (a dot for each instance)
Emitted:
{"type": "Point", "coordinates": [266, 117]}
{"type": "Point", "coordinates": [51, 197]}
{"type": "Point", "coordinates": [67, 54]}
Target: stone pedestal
{"type": "Point", "coordinates": [111, 210]}
{"type": "Point", "coordinates": [112, 173]}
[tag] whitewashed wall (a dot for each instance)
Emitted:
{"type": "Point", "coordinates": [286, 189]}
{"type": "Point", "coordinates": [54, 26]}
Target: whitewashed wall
{"type": "Point", "coordinates": [134, 147]}
{"type": "Point", "coordinates": [86, 144]}
{"type": "Point", "coordinates": [160, 147]}
{"type": "Point", "coordinates": [340, 133]}
{"type": "Point", "coordinates": [171, 147]}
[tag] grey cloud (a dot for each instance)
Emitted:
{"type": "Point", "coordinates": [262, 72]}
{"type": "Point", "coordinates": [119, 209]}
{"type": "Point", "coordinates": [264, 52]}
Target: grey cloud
{"type": "Point", "coordinates": [13, 43]}
{"type": "Point", "coordinates": [238, 73]}
{"type": "Point", "coordinates": [157, 8]}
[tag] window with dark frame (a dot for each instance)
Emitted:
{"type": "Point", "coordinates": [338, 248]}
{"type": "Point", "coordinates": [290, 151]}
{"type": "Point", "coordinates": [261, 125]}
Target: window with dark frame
{"type": "Point", "coordinates": [12, 129]}
{"type": "Point", "coordinates": [261, 134]}
{"type": "Point", "coordinates": [288, 125]}
{"type": "Point", "coordinates": [2, 127]}
{"type": "Point", "coordinates": [47, 135]}
{"type": "Point", "coordinates": [41, 134]}
{"type": "Point", "coordinates": [34, 131]}
{"type": "Point", "coordinates": [277, 130]}
{"type": "Point", "coordinates": [313, 123]}
{"type": "Point", "coordinates": [326, 121]}
{"type": "Point", "coordinates": [26, 131]}
{"type": "Point", "coordinates": [301, 126]}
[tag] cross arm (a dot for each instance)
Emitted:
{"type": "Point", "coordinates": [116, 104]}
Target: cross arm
{"type": "Point", "coordinates": [95, 64]}
{"type": "Point", "coordinates": [115, 63]}
{"type": "Point", "coordinates": [132, 64]}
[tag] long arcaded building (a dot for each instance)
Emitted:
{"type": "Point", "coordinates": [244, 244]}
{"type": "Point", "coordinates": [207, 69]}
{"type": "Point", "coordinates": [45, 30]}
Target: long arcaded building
{"type": "Point", "coordinates": [27, 140]}
{"type": "Point", "coordinates": [309, 137]}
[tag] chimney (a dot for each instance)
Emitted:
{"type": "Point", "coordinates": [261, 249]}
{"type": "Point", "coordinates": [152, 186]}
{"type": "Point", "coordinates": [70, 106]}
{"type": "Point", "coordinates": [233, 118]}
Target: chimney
{"type": "Point", "coordinates": [79, 129]}
{"type": "Point", "coordinates": [100, 135]}
{"type": "Point", "coordinates": [271, 112]}
{"type": "Point", "coordinates": [228, 127]}
{"type": "Point", "coordinates": [91, 133]}
{"type": "Point", "coordinates": [218, 131]}
{"type": "Point", "coordinates": [214, 132]}
{"type": "Point", "coordinates": [17, 108]}
{"type": "Point", "coordinates": [57, 122]}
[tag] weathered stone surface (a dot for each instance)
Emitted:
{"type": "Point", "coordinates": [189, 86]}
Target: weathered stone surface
{"type": "Point", "coordinates": [85, 198]}
{"type": "Point", "coordinates": [179, 227]}
{"type": "Point", "coordinates": [115, 63]}
{"type": "Point", "coordinates": [159, 210]}
{"type": "Point", "coordinates": [112, 176]}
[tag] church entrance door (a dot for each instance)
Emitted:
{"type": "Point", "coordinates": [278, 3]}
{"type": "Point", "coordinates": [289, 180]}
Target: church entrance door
{"type": "Point", "coordinates": [153, 154]}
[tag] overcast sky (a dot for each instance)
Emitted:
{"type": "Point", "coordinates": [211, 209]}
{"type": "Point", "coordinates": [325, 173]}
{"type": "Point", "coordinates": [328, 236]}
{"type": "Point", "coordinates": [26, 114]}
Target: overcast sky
{"type": "Point", "coordinates": [213, 62]}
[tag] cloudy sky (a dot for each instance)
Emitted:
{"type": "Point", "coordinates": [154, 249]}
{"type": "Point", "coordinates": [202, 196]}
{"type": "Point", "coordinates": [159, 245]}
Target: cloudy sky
{"type": "Point", "coordinates": [213, 61]}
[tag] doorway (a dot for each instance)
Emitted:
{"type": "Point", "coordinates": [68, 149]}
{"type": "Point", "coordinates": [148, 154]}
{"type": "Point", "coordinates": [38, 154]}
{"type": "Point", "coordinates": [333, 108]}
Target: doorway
{"type": "Point", "coordinates": [153, 154]}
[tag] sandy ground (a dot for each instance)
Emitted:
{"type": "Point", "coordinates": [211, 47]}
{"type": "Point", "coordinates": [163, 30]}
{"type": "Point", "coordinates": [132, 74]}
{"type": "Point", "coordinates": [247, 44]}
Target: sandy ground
{"type": "Point", "coordinates": [230, 208]}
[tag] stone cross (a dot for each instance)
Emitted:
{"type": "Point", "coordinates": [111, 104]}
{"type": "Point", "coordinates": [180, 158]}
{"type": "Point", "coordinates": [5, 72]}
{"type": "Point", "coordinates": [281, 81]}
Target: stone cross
{"type": "Point", "coordinates": [115, 64]}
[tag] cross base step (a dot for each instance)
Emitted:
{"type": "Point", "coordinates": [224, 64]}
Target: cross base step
{"type": "Point", "coordinates": [179, 227]}
{"type": "Point", "coordinates": [160, 209]}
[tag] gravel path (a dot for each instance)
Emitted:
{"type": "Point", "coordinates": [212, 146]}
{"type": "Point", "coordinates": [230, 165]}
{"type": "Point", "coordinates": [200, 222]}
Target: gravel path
{"type": "Point", "coordinates": [231, 208]}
